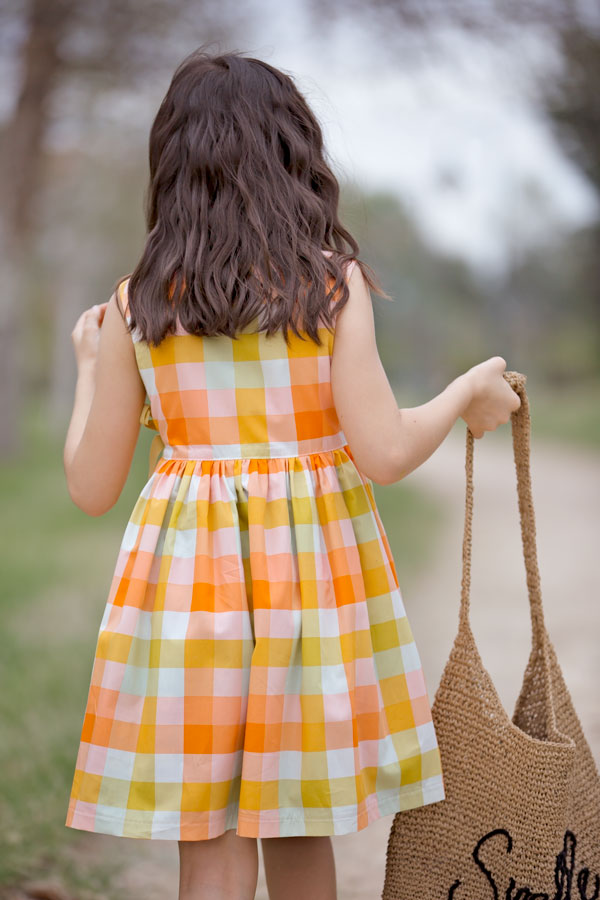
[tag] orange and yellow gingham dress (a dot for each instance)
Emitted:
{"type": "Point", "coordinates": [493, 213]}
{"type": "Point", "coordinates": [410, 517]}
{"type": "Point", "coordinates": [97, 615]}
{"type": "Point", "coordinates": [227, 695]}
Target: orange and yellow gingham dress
{"type": "Point", "coordinates": [255, 668]}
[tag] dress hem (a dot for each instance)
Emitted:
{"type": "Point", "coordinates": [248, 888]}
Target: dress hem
{"type": "Point", "coordinates": [377, 810]}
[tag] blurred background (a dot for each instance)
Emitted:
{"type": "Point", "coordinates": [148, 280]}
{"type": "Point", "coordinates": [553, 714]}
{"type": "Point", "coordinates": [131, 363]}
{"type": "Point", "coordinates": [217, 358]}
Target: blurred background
{"type": "Point", "coordinates": [466, 138]}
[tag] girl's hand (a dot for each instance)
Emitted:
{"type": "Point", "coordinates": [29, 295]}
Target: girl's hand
{"type": "Point", "coordinates": [86, 334]}
{"type": "Point", "coordinates": [493, 400]}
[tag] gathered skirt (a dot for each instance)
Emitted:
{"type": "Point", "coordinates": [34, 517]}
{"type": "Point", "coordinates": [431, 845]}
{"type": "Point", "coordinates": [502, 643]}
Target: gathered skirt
{"type": "Point", "coordinates": [255, 668]}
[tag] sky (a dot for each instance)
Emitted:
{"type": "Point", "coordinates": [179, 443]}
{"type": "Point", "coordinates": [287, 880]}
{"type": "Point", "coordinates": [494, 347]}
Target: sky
{"type": "Point", "coordinates": [455, 138]}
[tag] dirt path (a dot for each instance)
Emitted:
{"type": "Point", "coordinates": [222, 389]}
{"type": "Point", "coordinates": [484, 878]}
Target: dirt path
{"type": "Point", "coordinates": [566, 494]}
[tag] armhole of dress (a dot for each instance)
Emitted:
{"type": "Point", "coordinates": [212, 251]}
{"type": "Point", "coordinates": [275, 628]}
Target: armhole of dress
{"type": "Point", "coordinates": [123, 301]}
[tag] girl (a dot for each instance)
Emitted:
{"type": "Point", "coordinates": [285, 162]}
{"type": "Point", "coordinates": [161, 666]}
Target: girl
{"type": "Point", "coordinates": [255, 674]}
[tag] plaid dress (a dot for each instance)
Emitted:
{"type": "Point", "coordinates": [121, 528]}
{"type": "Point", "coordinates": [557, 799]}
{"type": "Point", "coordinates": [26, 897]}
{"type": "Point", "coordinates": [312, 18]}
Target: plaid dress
{"type": "Point", "coordinates": [255, 668]}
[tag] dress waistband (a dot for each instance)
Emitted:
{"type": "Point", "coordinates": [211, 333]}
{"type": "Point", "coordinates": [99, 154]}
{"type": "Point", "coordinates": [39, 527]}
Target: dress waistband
{"type": "Point", "coordinates": [272, 450]}
{"type": "Point", "coordinates": [268, 450]}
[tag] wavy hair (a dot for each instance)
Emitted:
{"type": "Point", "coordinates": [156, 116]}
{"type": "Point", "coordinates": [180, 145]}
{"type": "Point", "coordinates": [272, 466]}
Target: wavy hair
{"type": "Point", "coordinates": [240, 206]}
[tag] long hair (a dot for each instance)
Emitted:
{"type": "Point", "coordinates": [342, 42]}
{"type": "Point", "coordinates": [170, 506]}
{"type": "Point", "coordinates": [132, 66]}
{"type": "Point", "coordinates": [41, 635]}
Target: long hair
{"type": "Point", "coordinates": [239, 208]}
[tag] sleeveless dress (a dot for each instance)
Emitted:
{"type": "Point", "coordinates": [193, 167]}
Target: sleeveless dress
{"type": "Point", "coordinates": [255, 668]}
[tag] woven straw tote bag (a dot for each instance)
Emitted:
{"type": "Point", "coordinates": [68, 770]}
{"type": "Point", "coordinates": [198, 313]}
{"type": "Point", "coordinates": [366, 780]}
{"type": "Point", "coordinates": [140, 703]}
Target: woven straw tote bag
{"type": "Point", "coordinates": [521, 817]}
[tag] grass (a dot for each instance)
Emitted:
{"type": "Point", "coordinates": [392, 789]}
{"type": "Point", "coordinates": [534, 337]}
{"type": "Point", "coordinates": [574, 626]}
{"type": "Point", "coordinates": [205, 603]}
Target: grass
{"type": "Point", "coordinates": [57, 565]}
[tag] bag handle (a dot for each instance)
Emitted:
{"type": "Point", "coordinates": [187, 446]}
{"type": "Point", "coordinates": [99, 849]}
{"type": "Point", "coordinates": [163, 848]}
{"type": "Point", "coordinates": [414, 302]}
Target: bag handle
{"type": "Point", "coordinates": [521, 434]}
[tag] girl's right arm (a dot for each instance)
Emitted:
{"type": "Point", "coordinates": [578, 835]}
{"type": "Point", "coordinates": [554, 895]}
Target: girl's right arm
{"type": "Point", "coordinates": [388, 442]}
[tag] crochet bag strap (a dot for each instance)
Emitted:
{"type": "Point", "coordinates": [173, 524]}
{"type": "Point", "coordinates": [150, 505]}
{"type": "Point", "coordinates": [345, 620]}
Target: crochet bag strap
{"type": "Point", "coordinates": [521, 434]}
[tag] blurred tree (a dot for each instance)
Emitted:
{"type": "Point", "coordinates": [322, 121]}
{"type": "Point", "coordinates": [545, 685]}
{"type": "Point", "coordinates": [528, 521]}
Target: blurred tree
{"type": "Point", "coordinates": [573, 104]}
{"type": "Point", "coordinates": [19, 180]}
{"type": "Point", "coordinates": [85, 47]}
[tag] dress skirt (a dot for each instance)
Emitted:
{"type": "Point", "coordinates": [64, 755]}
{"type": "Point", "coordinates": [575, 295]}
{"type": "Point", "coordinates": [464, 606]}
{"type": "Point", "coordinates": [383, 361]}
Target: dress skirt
{"type": "Point", "coordinates": [255, 668]}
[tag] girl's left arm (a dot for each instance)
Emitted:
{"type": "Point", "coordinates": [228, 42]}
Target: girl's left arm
{"type": "Point", "coordinates": [109, 397]}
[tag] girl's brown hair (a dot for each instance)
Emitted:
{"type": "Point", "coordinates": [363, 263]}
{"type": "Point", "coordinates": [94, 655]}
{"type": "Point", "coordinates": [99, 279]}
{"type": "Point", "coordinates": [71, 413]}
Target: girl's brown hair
{"type": "Point", "coordinates": [239, 207]}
